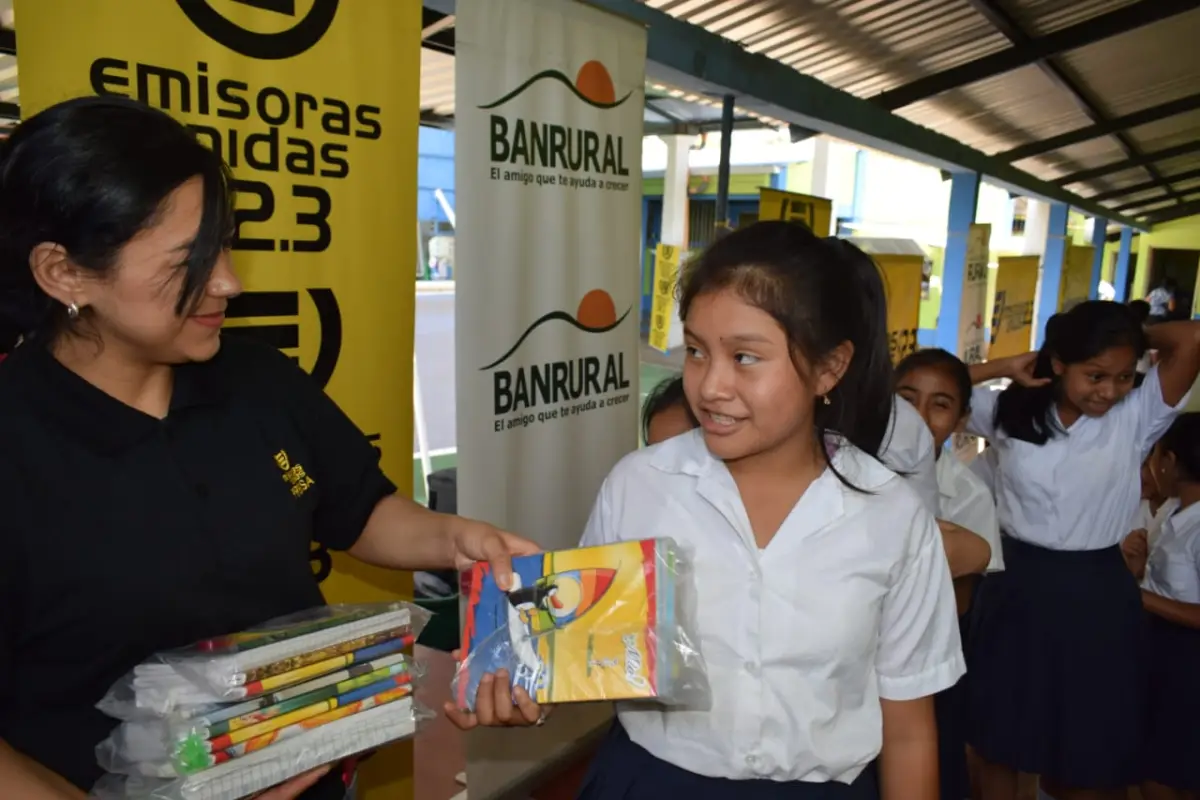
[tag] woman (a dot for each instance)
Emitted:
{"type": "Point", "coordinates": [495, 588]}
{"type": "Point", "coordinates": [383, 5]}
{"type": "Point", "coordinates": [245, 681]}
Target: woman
{"type": "Point", "coordinates": [161, 483]}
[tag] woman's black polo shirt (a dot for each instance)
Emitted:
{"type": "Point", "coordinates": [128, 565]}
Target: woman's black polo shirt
{"type": "Point", "coordinates": [122, 535]}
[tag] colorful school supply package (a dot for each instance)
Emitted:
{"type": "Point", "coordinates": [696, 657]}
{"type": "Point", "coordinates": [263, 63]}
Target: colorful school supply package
{"type": "Point", "coordinates": [229, 717]}
{"type": "Point", "coordinates": [596, 623]}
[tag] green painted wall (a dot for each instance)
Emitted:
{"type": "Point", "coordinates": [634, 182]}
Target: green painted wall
{"type": "Point", "coordinates": [702, 185]}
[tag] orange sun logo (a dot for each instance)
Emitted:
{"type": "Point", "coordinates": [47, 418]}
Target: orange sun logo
{"type": "Point", "coordinates": [594, 83]}
{"type": "Point", "coordinates": [596, 309]}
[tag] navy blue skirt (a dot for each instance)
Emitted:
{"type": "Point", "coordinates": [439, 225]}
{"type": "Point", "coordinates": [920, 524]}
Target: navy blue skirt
{"type": "Point", "coordinates": [623, 770]}
{"type": "Point", "coordinates": [950, 706]}
{"type": "Point", "coordinates": [1173, 708]}
{"type": "Point", "coordinates": [1057, 684]}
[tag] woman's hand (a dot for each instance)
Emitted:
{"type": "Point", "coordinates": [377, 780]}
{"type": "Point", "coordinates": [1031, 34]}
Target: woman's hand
{"type": "Point", "coordinates": [404, 535]}
{"type": "Point", "coordinates": [295, 787]}
{"type": "Point", "coordinates": [477, 541]}
{"type": "Point", "coordinates": [494, 706]}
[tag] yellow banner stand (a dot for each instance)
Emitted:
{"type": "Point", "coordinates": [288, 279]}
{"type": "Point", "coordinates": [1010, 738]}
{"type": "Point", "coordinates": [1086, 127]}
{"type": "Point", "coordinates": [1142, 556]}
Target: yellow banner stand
{"type": "Point", "coordinates": [1012, 311]}
{"type": "Point", "coordinates": [1076, 280]}
{"type": "Point", "coordinates": [815, 212]}
{"type": "Point", "coordinates": [662, 308]}
{"type": "Point", "coordinates": [314, 104]}
{"type": "Point", "coordinates": [902, 276]}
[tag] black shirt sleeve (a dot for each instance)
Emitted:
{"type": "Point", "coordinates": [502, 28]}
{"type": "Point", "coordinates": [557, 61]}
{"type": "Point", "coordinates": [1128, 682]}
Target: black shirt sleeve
{"type": "Point", "coordinates": [347, 475]}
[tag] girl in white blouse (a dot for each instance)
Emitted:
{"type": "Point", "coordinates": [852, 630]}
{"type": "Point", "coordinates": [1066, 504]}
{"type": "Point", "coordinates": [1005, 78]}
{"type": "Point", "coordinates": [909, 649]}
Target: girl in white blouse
{"type": "Point", "coordinates": [1171, 595]}
{"type": "Point", "coordinates": [825, 609]}
{"type": "Point", "coordinates": [1057, 675]}
{"type": "Point", "coordinates": [938, 384]}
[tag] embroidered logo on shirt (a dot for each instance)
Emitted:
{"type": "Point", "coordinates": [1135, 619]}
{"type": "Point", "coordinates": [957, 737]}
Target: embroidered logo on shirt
{"type": "Point", "coordinates": [293, 474]}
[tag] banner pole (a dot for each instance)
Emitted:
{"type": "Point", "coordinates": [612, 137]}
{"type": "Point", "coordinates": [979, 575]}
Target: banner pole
{"type": "Point", "coordinates": [446, 207]}
{"type": "Point", "coordinates": [419, 423]}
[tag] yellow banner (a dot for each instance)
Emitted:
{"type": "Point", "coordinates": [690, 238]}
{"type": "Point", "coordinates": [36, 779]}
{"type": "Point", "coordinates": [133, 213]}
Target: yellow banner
{"type": "Point", "coordinates": [902, 281]}
{"type": "Point", "coordinates": [1076, 280]}
{"type": "Point", "coordinates": [662, 308]}
{"type": "Point", "coordinates": [1012, 311]}
{"type": "Point", "coordinates": [314, 104]}
{"type": "Point", "coordinates": [815, 212]}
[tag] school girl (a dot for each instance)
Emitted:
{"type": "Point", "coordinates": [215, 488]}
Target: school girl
{"type": "Point", "coordinates": [1171, 595]}
{"type": "Point", "coordinates": [1157, 503]}
{"type": "Point", "coordinates": [1056, 683]}
{"type": "Point", "coordinates": [825, 609]}
{"type": "Point", "coordinates": [938, 385]}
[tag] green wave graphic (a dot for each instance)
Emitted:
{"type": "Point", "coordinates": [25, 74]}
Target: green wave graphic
{"type": "Point", "coordinates": [553, 74]}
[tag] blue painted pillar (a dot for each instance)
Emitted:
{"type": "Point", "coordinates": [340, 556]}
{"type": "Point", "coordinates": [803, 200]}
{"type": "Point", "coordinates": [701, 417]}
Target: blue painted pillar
{"type": "Point", "coordinates": [1121, 273]}
{"type": "Point", "coordinates": [1052, 266]}
{"type": "Point", "coordinates": [964, 197]}
{"type": "Point", "coordinates": [1099, 236]}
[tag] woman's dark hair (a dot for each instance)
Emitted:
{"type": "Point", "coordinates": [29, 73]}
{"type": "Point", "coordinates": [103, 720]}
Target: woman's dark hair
{"type": "Point", "coordinates": [666, 395]}
{"type": "Point", "coordinates": [1182, 440]}
{"type": "Point", "coordinates": [822, 292]}
{"type": "Point", "coordinates": [948, 363]}
{"type": "Point", "coordinates": [1140, 310]}
{"type": "Point", "coordinates": [1084, 332]}
{"type": "Point", "coordinates": [90, 174]}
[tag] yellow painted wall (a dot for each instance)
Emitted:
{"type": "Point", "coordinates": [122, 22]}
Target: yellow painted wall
{"type": "Point", "coordinates": [799, 178]}
{"type": "Point", "coordinates": [1182, 234]}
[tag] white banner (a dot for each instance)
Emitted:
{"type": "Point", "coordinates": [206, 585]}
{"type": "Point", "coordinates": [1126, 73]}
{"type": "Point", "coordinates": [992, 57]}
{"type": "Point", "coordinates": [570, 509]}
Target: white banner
{"type": "Point", "coordinates": [972, 343]}
{"type": "Point", "coordinates": [548, 162]}
{"type": "Point", "coordinates": [549, 107]}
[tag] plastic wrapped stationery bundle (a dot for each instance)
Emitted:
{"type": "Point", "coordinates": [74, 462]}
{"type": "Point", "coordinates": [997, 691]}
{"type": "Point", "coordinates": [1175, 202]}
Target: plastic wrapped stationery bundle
{"type": "Point", "coordinates": [314, 744]}
{"type": "Point", "coordinates": [190, 740]}
{"type": "Point", "coordinates": [597, 623]}
{"type": "Point", "coordinates": [279, 654]}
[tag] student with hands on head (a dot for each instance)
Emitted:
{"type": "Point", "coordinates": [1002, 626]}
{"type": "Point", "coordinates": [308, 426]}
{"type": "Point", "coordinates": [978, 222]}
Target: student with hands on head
{"type": "Point", "coordinates": [1060, 627]}
{"type": "Point", "coordinates": [146, 505]}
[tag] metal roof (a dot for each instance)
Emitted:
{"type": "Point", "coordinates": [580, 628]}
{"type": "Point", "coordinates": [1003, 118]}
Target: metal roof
{"type": "Point", "coordinates": [1099, 96]}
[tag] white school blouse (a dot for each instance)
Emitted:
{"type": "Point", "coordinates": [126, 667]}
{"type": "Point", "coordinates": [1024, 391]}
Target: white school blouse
{"type": "Point", "coordinates": [1080, 489]}
{"type": "Point", "coordinates": [1152, 522]}
{"type": "Point", "coordinates": [849, 603]}
{"type": "Point", "coordinates": [908, 450]}
{"type": "Point", "coordinates": [1173, 568]}
{"type": "Point", "coordinates": [967, 501]}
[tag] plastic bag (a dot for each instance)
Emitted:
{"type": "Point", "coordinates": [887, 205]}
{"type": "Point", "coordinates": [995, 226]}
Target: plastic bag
{"type": "Point", "coordinates": [600, 623]}
{"type": "Point", "coordinates": [295, 755]}
{"type": "Point", "coordinates": [311, 689]}
{"type": "Point", "coordinates": [280, 653]}
{"type": "Point", "coordinates": [182, 743]}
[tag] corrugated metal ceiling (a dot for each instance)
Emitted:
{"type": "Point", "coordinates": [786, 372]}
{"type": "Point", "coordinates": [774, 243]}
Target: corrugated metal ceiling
{"type": "Point", "coordinates": [869, 46]}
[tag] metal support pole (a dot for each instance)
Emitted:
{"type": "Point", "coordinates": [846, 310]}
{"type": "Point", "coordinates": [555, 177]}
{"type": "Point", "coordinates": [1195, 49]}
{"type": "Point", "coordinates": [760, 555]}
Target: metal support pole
{"type": "Point", "coordinates": [723, 168]}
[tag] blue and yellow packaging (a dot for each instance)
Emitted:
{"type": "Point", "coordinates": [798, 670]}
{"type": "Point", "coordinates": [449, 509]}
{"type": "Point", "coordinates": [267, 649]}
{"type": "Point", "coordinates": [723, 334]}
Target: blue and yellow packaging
{"type": "Point", "coordinates": [596, 623]}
